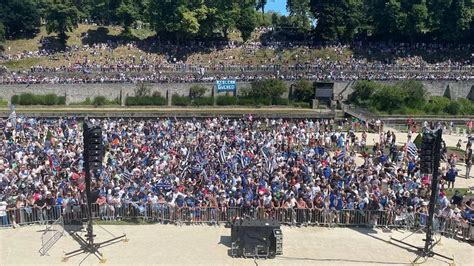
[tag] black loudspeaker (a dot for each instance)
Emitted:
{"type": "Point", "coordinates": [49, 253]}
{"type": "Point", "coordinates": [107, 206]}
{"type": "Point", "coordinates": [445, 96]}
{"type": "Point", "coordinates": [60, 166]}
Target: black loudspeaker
{"type": "Point", "coordinates": [256, 238]}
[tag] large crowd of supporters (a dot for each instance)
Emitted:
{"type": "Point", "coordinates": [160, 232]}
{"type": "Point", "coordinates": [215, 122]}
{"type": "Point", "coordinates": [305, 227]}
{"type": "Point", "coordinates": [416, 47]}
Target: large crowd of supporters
{"type": "Point", "coordinates": [203, 62]}
{"type": "Point", "coordinates": [220, 163]}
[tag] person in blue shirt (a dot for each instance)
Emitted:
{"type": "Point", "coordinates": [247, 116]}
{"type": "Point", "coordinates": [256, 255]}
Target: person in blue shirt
{"type": "Point", "coordinates": [332, 200]}
{"type": "Point", "coordinates": [340, 141]}
{"type": "Point", "coordinates": [411, 167]}
{"type": "Point", "coordinates": [451, 176]}
{"type": "Point", "coordinates": [339, 202]}
{"type": "Point", "coordinates": [190, 201]}
{"type": "Point", "coordinates": [59, 204]}
{"type": "Point", "coordinates": [327, 172]}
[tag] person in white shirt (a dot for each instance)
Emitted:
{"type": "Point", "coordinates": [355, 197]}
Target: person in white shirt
{"type": "Point", "coordinates": [3, 213]}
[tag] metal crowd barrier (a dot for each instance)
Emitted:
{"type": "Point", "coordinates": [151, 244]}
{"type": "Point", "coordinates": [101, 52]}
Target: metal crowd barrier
{"type": "Point", "coordinates": [51, 235]}
{"type": "Point", "coordinates": [172, 214]}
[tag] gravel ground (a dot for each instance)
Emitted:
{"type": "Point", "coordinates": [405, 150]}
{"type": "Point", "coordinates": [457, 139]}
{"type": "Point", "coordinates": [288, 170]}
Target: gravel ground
{"type": "Point", "coordinates": [206, 245]}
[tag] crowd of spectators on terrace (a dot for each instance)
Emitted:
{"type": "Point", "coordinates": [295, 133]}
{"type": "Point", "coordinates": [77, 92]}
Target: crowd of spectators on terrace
{"type": "Point", "coordinates": [219, 163]}
{"type": "Point", "coordinates": [201, 62]}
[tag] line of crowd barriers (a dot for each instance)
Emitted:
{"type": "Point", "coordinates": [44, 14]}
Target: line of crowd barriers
{"type": "Point", "coordinates": [169, 214]}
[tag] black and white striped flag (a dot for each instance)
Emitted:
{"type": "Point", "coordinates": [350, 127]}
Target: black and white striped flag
{"type": "Point", "coordinates": [239, 158]}
{"type": "Point", "coordinates": [184, 163]}
{"type": "Point", "coordinates": [412, 150]}
{"type": "Point", "coordinates": [127, 175]}
{"type": "Point", "coordinates": [222, 155]}
{"type": "Point", "coordinates": [269, 166]}
{"type": "Point", "coordinates": [184, 172]}
{"type": "Point", "coordinates": [264, 154]}
{"type": "Point", "coordinates": [204, 173]}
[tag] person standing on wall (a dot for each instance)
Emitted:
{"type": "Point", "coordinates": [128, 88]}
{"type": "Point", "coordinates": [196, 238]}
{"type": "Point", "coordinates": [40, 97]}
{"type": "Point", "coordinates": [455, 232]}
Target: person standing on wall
{"type": "Point", "coordinates": [468, 159]}
{"type": "Point", "coordinates": [469, 125]}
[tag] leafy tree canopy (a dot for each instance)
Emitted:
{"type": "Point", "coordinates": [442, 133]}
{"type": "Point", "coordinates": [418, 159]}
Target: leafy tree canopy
{"type": "Point", "coordinates": [20, 18]}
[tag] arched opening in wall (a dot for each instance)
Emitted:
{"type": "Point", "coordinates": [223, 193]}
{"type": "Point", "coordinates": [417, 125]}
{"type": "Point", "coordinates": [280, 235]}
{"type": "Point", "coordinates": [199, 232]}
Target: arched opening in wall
{"type": "Point", "coordinates": [324, 92]}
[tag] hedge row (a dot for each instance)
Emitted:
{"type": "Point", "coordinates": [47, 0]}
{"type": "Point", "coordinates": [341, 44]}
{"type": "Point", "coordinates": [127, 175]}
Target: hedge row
{"type": "Point", "coordinates": [177, 100]}
{"type": "Point", "coordinates": [180, 100]}
{"type": "Point", "coordinates": [406, 97]}
{"type": "Point", "coordinates": [101, 100]}
{"type": "Point", "coordinates": [145, 100]}
{"type": "Point", "coordinates": [37, 99]}
{"type": "Point", "coordinates": [203, 101]}
{"type": "Point", "coordinates": [225, 100]}
{"type": "Point", "coordinates": [302, 104]}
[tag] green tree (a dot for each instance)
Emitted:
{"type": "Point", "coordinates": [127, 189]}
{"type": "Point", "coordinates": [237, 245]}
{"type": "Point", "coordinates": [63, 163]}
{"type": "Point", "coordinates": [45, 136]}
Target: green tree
{"type": "Point", "coordinates": [127, 14]}
{"type": "Point", "coordinates": [19, 17]}
{"type": "Point", "coordinates": [261, 6]}
{"type": "Point", "coordinates": [142, 90]}
{"type": "Point", "coordinates": [389, 20]}
{"type": "Point", "coordinates": [247, 22]}
{"type": "Point", "coordinates": [2, 33]}
{"type": "Point", "coordinates": [197, 91]}
{"type": "Point", "coordinates": [453, 108]}
{"type": "Point", "coordinates": [467, 106]}
{"type": "Point", "coordinates": [164, 16]}
{"type": "Point", "coordinates": [416, 19]}
{"type": "Point", "coordinates": [363, 91]}
{"type": "Point", "coordinates": [457, 20]}
{"type": "Point", "coordinates": [221, 17]}
{"type": "Point", "coordinates": [190, 19]}
{"type": "Point", "coordinates": [300, 14]}
{"type": "Point", "coordinates": [2, 38]}
{"type": "Point", "coordinates": [224, 14]}
{"type": "Point", "coordinates": [265, 20]}
{"type": "Point", "coordinates": [209, 24]}
{"type": "Point", "coordinates": [438, 104]}
{"type": "Point", "coordinates": [303, 91]}
{"type": "Point", "coordinates": [275, 20]}
{"type": "Point", "coordinates": [179, 19]}
{"type": "Point", "coordinates": [387, 99]}
{"type": "Point", "coordinates": [436, 13]}
{"type": "Point", "coordinates": [338, 20]}
{"type": "Point", "coordinates": [103, 12]}
{"type": "Point", "coordinates": [414, 93]}
{"type": "Point", "coordinates": [60, 19]}
{"type": "Point", "coordinates": [271, 89]}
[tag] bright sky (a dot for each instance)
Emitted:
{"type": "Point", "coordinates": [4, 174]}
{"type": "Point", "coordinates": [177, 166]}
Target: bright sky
{"type": "Point", "coordinates": [276, 5]}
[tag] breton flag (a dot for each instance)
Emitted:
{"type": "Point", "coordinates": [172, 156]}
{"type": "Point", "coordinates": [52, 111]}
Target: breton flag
{"type": "Point", "coordinates": [222, 155]}
{"type": "Point", "coordinates": [341, 155]}
{"type": "Point", "coordinates": [164, 185]}
{"type": "Point", "coordinates": [184, 172]}
{"type": "Point", "coordinates": [269, 166]}
{"type": "Point", "coordinates": [127, 175]}
{"type": "Point", "coordinates": [204, 173]}
{"type": "Point", "coordinates": [412, 150]}
{"type": "Point", "coordinates": [184, 163]}
{"type": "Point", "coordinates": [264, 154]}
{"type": "Point", "coordinates": [269, 163]}
{"type": "Point", "coordinates": [240, 157]}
